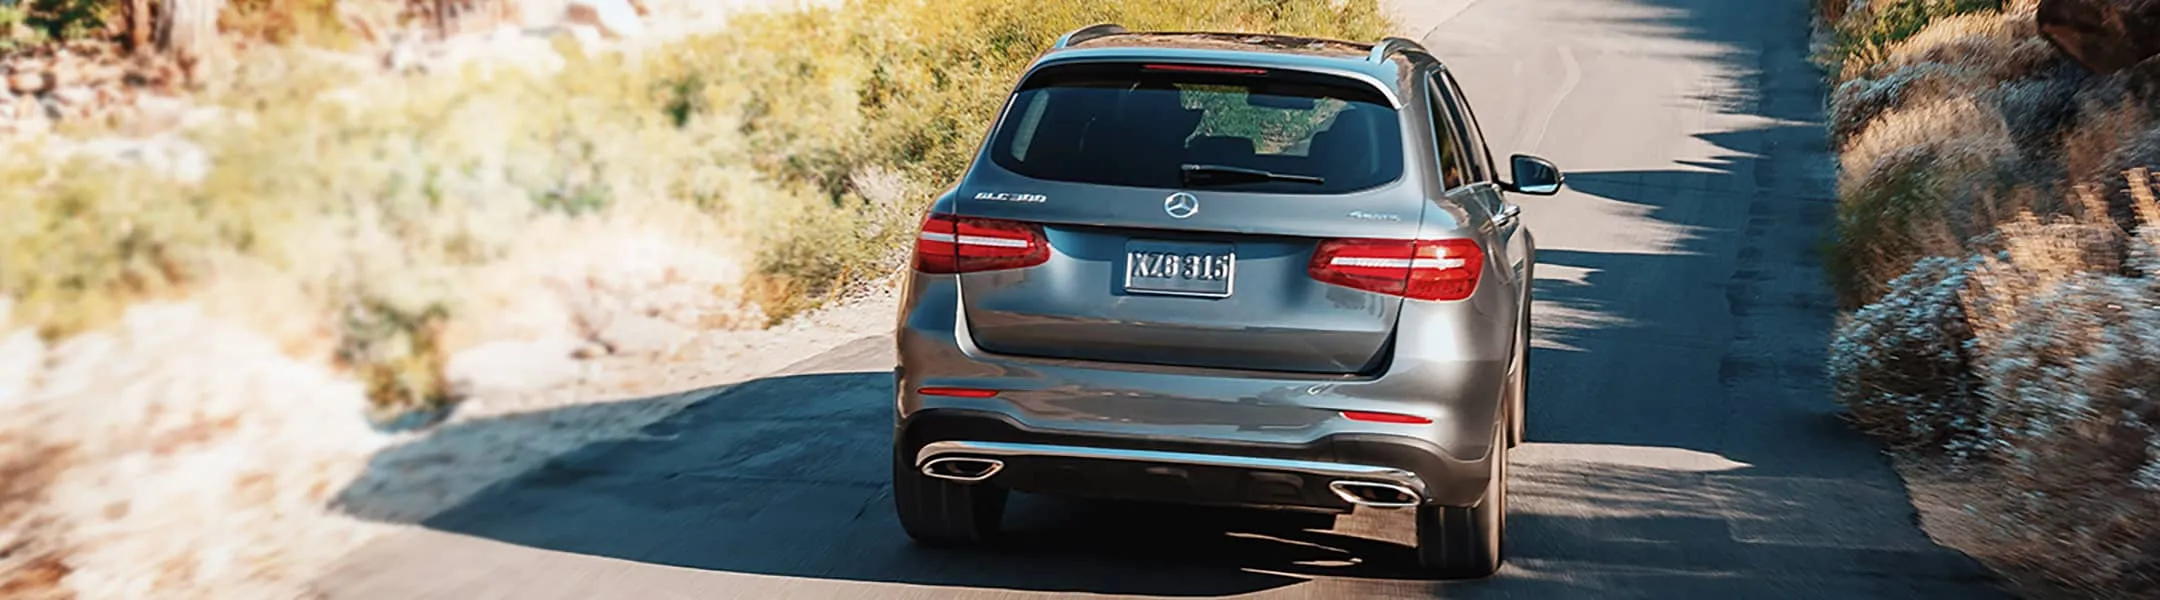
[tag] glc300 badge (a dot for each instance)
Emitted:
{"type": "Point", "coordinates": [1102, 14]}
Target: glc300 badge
{"type": "Point", "coordinates": [1012, 197]}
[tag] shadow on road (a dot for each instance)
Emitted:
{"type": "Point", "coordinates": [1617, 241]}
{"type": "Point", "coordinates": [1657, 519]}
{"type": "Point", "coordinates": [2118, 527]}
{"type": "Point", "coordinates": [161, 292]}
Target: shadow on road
{"type": "Point", "coordinates": [762, 479]}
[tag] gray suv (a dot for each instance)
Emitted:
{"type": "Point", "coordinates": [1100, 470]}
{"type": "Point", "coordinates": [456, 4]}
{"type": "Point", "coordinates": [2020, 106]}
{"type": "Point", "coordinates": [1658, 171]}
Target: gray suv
{"type": "Point", "coordinates": [1223, 269]}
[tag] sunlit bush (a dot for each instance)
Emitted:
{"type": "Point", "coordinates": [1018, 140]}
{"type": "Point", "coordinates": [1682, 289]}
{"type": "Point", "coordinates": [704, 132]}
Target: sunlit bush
{"type": "Point", "coordinates": [1867, 32]}
{"type": "Point", "coordinates": [1916, 183]}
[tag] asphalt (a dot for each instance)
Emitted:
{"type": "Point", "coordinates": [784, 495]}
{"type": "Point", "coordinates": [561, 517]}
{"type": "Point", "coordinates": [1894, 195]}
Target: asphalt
{"type": "Point", "coordinates": [1684, 443]}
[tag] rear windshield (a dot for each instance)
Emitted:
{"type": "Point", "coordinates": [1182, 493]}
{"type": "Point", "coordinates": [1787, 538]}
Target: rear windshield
{"type": "Point", "coordinates": [1173, 126]}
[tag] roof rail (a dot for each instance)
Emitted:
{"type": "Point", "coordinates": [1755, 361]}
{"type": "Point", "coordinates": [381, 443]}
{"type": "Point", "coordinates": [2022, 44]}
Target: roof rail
{"type": "Point", "coordinates": [1088, 33]}
{"type": "Point", "coordinates": [1388, 46]}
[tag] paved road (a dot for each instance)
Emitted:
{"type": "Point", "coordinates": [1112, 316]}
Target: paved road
{"type": "Point", "coordinates": [1685, 445]}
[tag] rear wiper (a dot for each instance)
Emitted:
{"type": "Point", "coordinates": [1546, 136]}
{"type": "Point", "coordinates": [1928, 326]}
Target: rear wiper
{"type": "Point", "coordinates": [1223, 174]}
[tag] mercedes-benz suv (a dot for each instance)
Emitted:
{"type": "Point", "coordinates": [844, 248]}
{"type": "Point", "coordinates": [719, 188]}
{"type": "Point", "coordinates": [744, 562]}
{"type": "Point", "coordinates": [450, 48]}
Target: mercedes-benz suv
{"type": "Point", "coordinates": [1223, 269]}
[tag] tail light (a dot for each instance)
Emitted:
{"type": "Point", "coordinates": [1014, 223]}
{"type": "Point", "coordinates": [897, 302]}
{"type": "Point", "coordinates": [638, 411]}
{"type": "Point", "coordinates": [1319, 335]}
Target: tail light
{"type": "Point", "coordinates": [1421, 269]}
{"type": "Point", "coordinates": [955, 244]}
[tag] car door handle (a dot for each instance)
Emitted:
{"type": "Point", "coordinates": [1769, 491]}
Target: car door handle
{"type": "Point", "coordinates": [1508, 213]}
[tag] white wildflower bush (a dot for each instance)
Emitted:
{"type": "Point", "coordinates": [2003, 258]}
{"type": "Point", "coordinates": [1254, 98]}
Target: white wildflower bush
{"type": "Point", "coordinates": [2068, 340]}
{"type": "Point", "coordinates": [2072, 387]}
{"type": "Point", "coordinates": [1901, 364]}
{"type": "Point", "coordinates": [2071, 392]}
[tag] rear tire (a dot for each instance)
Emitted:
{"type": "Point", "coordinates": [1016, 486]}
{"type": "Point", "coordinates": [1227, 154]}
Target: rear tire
{"type": "Point", "coordinates": [943, 514]}
{"type": "Point", "coordinates": [1467, 543]}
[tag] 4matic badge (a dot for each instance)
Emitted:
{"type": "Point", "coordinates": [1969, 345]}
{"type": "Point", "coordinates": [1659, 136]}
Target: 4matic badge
{"type": "Point", "coordinates": [1012, 197]}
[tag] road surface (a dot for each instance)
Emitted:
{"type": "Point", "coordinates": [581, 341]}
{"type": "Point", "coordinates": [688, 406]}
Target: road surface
{"type": "Point", "coordinates": [1684, 443]}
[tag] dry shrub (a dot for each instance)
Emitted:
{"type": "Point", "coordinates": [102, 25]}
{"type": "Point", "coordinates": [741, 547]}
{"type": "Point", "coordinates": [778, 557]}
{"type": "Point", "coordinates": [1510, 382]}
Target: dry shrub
{"type": "Point", "coordinates": [2104, 126]}
{"type": "Point", "coordinates": [1918, 183]}
{"type": "Point", "coordinates": [2066, 321]}
{"type": "Point", "coordinates": [1955, 55]}
{"type": "Point", "coordinates": [2071, 386]}
{"type": "Point", "coordinates": [2141, 151]}
{"type": "Point", "coordinates": [2040, 112]}
{"type": "Point", "coordinates": [1833, 10]}
{"type": "Point", "coordinates": [1871, 29]}
{"type": "Point", "coordinates": [1860, 101]}
{"type": "Point", "coordinates": [2005, 44]}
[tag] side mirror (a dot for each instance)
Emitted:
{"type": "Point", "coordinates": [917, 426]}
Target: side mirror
{"type": "Point", "coordinates": [1535, 176]}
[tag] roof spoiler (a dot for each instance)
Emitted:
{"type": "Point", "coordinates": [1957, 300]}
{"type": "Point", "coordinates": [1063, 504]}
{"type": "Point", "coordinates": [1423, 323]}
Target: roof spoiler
{"type": "Point", "coordinates": [1088, 33]}
{"type": "Point", "coordinates": [1389, 46]}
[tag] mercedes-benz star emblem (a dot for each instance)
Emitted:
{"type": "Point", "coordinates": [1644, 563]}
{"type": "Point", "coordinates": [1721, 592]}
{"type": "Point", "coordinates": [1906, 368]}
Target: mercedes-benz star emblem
{"type": "Point", "coordinates": [1181, 205]}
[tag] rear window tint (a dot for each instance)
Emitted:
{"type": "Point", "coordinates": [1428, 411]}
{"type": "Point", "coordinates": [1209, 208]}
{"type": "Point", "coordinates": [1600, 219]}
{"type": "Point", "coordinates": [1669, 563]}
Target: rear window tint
{"type": "Point", "coordinates": [1128, 125]}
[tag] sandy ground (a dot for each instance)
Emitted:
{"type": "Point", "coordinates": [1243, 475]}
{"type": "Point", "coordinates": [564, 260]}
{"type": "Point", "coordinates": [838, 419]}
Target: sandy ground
{"type": "Point", "coordinates": [1967, 511]}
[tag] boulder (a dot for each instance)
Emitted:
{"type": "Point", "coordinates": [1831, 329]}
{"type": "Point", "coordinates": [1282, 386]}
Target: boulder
{"type": "Point", "coordinates": [77, 97]}
{"type": "Point", "coordinates": [29, 82]}
{"type": "Point", "coordinates": [2103, 35]}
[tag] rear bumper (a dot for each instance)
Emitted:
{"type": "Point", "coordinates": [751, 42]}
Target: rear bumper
{"type": "Point", "coordinates": [1200, 435]}
{"type": "Point", "coordinates": [1188, 470]}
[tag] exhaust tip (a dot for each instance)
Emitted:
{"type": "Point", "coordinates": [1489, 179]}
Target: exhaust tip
{"type": "Point", "coordinates": [1375, 494]}
{"type": "Point", "coordinates": [962, 469]}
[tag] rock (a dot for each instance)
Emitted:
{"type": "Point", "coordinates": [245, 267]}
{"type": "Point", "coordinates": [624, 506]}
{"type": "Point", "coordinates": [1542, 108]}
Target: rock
{"type": "Point", "coordinates": [2103, 35]}
{"type": "Point", "coordinates": [28, 82]}
{"type": "Point", "coordinates": [64, 73]}
{"type": "Point", "coordinates": [615, 18]}
{"type": "Point", "coordinates": [638, 334]}
{"type": "Point", "coordinates": [75, 97]}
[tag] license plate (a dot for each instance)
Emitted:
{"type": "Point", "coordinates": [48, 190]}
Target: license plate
{"type": "Point", "coordinates": [1179, 268]}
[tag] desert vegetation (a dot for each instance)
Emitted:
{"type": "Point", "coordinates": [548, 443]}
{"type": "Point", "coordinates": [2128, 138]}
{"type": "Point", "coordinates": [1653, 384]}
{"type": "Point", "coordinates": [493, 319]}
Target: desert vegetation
{"type": "Point", "coordinates": [381, 189]}
{"type": "Point", "coordinates": [1998, 242]}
